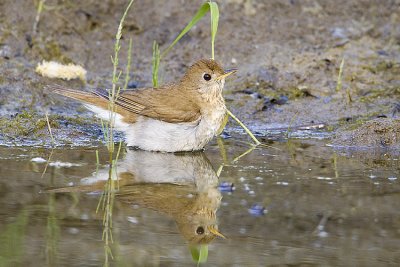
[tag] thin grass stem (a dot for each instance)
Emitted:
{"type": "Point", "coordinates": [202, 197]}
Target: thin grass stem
{"type": "Point", "coordinates": [47, 163]}
{"type": "Point", "coordinates": [339, 79]}
{"type": "Point", "coordinates": [128, 66]}
{"type": "Point", "coordinates": [244, 153]}
{"type": "Point", "coordinates": [106, 201]}
{"type": "Point", "coordinates": [289, 129]}
{"type": "Point", "coordinates": [49, 128]}
{"type": "Point", "coordinates": [244, 127]}
{"type": "Point", "coordinates": [156, 63]}
{"type": "Point", "coordinates": [38, 13]}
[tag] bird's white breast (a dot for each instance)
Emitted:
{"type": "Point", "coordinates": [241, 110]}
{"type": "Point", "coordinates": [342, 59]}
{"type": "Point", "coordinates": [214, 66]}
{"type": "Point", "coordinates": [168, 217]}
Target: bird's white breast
{"type": "Point", "coordinates": [156, 135]}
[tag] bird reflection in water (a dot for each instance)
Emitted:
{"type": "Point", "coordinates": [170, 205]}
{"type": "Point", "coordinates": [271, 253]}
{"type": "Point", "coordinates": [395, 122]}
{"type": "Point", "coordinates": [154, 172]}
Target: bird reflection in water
{"type": "Point", "coordinates": [181, 185]}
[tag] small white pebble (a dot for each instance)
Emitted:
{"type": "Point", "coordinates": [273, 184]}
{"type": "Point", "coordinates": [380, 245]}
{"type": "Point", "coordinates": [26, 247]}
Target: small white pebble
{"type": "Point", "coordinates": [242, 231]}
{"type": "Point", "coordinates": [258, 178]}
{"type": "Point", "coordinates": [132, 219]}
{"type": "Point", "coordinates": [71, 184]}
{"type": "Point", "coordinates": [234, 60]}
{"type": "Point", "coordinates": [324, 178]}
{"type": "Point", "coordinates": [59, 164]}
{"type": "Point", "coordinates": [38, 160]}
{"type": "Point", "coordinates": [242, 179]}
{"type": "Point", "coordinates": [392, 178]}
{"type": "Point", "coordinates": [323, 234]}
{"type": "Point", "coordinates": [94, 193]}
{"type": "Point", "coordinates": [282, 183]}
{"type": "Point", "coordinates": [73, 230]}
{"type": "Point", "coordinates": [251, 192]}
{"type": "Point", "coordinates": [84, 217]}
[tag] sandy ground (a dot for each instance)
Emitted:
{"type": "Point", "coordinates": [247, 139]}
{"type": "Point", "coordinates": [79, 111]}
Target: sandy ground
{"type": "Point", "coordinates": [288, 54]}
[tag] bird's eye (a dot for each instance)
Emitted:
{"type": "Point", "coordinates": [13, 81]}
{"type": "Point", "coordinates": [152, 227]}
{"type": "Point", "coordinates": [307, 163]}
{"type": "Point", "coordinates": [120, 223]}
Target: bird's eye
{"type": "Point", "coordinates": [200, 230]}
{"type": "Point", "coordinates": [207, 77]}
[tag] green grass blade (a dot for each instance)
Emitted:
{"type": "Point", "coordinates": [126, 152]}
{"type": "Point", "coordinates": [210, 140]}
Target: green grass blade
{"type": "Point", "coordinates": [199, 253]}
{"type": "Point", "coordinates": [195, 253]}
{"type": "Point", "coordinates": [128, 65]}
{"type": "Point", "coordinates": [339, 79]}
{"type": "Point", "coordinates": [200, 13]}
{"type": "Point", "coordinates": [156, 63]}
{"type": "Point", "coordinates": [211, 7]}
{"type": "Point", "coordinates": [214, 14]}
{"type": "Point", "coordinates": [203, 253]}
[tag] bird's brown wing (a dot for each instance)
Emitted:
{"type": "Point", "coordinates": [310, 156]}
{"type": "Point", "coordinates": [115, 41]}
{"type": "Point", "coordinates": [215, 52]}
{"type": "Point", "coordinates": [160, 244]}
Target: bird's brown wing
{"type": "Point", "coordinates": [165, 104]}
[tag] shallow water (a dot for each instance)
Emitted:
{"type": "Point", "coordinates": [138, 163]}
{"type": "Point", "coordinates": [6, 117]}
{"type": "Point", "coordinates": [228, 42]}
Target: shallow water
{"type": "Point", "coordinates": [316, 207]}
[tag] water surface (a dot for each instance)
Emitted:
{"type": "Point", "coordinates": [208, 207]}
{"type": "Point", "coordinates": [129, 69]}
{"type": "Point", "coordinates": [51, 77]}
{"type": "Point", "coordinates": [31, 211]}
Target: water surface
{"type": "Point", "coordinates": [298, 203]}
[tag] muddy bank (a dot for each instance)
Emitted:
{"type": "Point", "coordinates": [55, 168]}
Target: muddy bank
{"type": "Point", "coordinates": [288, 55]}
{"type": "Point", "coordinates": [380, 133]}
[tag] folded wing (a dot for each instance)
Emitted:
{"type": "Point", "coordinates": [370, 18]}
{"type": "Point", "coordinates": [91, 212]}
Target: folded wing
{"type": "Point", "coordinates": [165, 104]}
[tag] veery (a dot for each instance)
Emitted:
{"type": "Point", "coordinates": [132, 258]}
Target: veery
{"type": "Point", "coordinates": [181, 116]}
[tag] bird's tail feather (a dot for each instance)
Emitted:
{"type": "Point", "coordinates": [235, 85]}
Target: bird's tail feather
{"type": "Point", "coordinates": [86, 97]}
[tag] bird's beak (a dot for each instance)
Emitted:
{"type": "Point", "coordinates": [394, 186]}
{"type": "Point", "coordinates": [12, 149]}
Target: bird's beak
{"type": "Point", "coordinates": [226, 74]}
{"type": "Point", "coordinates": [212, 229]}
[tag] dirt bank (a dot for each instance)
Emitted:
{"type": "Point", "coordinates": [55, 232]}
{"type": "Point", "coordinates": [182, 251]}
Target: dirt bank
{"type": "Point", "coordinates": [288, 54]}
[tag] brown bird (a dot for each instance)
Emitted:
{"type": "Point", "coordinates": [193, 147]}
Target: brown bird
{"type": "Point", "coordinates": [182, 116]}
